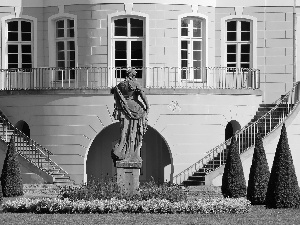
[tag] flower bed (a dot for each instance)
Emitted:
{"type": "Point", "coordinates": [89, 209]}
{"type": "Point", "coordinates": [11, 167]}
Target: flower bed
{"type": "Point", "coordinates": [55, 205]}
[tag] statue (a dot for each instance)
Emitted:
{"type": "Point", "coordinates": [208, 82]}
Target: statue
{"type": "Point", "coordinates": [132, 114]}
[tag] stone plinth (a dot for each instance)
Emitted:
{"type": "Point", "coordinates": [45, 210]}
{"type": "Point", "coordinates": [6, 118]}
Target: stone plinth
{"type": "Point", "coordinates": [128, 174]}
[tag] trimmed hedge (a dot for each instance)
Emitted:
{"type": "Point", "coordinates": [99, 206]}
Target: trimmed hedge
{"type": "Point", "coordinates": [259, 174]}
{"type": "Point", "coordinates": [108, 188]}
{"type": "Point", "coordinates": [11, 179]}
{"type": "Point", "coordinates": [283, 190]}
{"type": "Point", "coordinates": [158, 206]}
{"type": "Point", "coordinates": [233, 180]}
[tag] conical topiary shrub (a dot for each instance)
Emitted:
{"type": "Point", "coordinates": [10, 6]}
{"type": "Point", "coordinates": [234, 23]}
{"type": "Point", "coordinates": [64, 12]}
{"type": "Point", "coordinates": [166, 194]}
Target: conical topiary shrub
{"type": "Point", "coordinates": [233, 180]}
{"type": "Point", "coordinates": [283, 190]}
{"type": "Point", "coordinates": [259, 175]}
{"type": "Point", "coordinates": [11, 180]}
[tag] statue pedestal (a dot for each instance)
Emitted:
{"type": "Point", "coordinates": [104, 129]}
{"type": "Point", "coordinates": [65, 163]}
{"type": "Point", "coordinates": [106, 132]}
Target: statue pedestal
{"type": "Point", "coordinates": [128, 174]}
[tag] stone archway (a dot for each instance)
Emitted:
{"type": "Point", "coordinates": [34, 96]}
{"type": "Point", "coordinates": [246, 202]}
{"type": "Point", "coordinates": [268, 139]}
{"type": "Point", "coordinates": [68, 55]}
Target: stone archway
{"type": "Point", "coordinates": [24, 127]}
{"type": "Point", "coordinates": [157, 159]}
{"type": "Point", "coordinates": [231, 128]}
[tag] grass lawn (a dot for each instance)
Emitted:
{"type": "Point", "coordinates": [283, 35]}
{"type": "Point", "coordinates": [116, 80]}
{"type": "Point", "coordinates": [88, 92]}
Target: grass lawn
{"type": "Point", "coordinates": [258, 215]}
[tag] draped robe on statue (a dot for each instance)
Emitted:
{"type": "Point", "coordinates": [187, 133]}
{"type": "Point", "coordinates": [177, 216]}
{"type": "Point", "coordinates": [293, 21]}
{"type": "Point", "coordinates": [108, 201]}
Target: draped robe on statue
{"type": "Point", "coordinates": [133, 118]}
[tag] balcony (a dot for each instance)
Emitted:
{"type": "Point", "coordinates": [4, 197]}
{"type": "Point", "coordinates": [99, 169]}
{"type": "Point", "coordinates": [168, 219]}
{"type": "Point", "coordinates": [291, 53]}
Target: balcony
{"type": "Point", "coordinates": [149, 77]}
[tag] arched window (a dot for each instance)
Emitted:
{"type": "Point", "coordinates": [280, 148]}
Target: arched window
{"type": "Point", "coordinates": [192, 45]}
{"type": "Point", "coordinates": [128, 44]}
{"type": "Point", "coordinates": [239, 43]}
{"type": "Point", "coordinates": [19, 43]}
{"type": "Point", "coordinates": [65, 46]}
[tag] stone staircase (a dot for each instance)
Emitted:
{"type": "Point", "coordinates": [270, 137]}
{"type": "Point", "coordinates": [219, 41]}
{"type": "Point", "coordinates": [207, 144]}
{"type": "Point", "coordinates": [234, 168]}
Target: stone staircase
{"type": "Point", "coordinates": [33, 152]}
{"type": "Point", "coordinates": [266, 119]}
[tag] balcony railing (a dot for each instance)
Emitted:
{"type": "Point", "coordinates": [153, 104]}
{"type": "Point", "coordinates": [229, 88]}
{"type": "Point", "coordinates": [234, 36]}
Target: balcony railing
{"type": "Point", "coordinates": [150, 77]}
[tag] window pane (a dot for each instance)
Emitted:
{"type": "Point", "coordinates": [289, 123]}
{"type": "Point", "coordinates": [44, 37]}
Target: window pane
{"type": "Point", "coordinates": [12, 66]}
{"type": "Point", "coordinates": [13, 58]}
{"type": "Point", "coordinates": [70, 28]}
{"type": "Point", "coordinates": [137, 63]}
{"type": "Point", "coordinates": [120, 50]}
{"type": "Point", "coordinates": [197, 55]}
{"type": "Point", "coordinates": [184, 63]}
{"type": "Point", "coordinates": [136, 50]}
{"type": "Point", "coordinates": [60, 24]}
{"type": "Point", "coordinates": [197, 24]}
{"type": "Point", "coordinates": [231, 26]}
{"type": "Point", "coordinates": [26, 36]}
{"type": "Point", "coordinates": [184, 54]}
{"type": "Point", "coordinates": [26, 58]}
{"type": "Point", "coordinates": [231, 57]}
{"type": "Point", "coordinates": [71, 45]}
{"type": "Point", "coordinates": [245, 36]}
{"type": "Point", "coordinates": [60, 28]}
{"type": "Point", "coordinates": [12, 36]}
{"type": "Point", "coordinates": [12, 26]}
{"type": "Point", "coordinates": [231, 65]}
{"type": "Point", "coordinates": [197, 73]}
{"type": "Point", "coordinates": [72, 55]}
{"type": "Point", "coordinates": [231, 36]}
{"type": "Point", "coordinates": [245, 26]}
{"type": "Point", "coordinates": [245, 48]}
{"type": "Point", "coordinates": [70, 32]}
{"type": "Point", "coordinates": [26, 48]}
{"type": "Point", "coordinates": [231, 48]}
{"type": "Point", "coordinates": [245, 65]}
{"type": "Point", "coordinates": [70, 23]}
{"type": "Point", "coordinates": [60, 33]}
{"type": "Point", "coordinates": [121, 27]}
{"type": "Point", "coordinates": [136, 27]}
{"type": "Point", "coordinates": [184, 44]}
{"type": "Point", "coordinates": [12, 49]}
{"type": "Point", "coordinates": [245, 58]}
{"type": "Point", "coordinates": [197, 45]}
{"type": "Point", "coordinates": [25, 26]}
{"type": "Point", "coordinates": [60, 46]}
{"type": "Point", "coordinates": [197, 64]}
{"type": "Point", "coordinates": [121, 63]}
{"type": "Point", "coordinates": [184, 27]}
{"type": "Point", "coordinates": [60, 55]}
{"type": "Point", "coordinates": [61, 64]}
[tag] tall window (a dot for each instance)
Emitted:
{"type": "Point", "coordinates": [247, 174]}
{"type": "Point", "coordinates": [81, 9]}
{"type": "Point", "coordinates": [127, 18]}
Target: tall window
{"type": "Point", "coordinates": [19, 44]}
{"type": "Point", "coordinates": [128, 45]}
{"type": "Point", "coordinates": [65, 47]}
{"type": "Point", "coordinates": [192, 47]}
{"type": "Point", "coordinates": [239, 43]}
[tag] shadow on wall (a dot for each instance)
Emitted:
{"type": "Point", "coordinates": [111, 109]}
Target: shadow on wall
{"type": "Point", "coordinates": [23, 126]}
{"type": "Point", "coordinates": [156, 155]}
{"type": "Point", "coordinates": [231, 127]}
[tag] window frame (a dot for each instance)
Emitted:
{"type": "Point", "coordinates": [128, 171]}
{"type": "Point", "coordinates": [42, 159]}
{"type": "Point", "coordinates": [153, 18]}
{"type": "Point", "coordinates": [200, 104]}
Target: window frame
{"type": "Point", "coordinates": [128, 39]}
{"type": "Point", "coordinates": [61, 75]}
{"type": "Point", "coordinates": [4, 21]}
{"type": "Point", "coordinates": [239, 42]}
{"type": "Point", "coordinates": [52, 42]}
{"type": "Point", "coordinates": [190, 39]}
{"type": "Point", "coordinates": [223, 51]}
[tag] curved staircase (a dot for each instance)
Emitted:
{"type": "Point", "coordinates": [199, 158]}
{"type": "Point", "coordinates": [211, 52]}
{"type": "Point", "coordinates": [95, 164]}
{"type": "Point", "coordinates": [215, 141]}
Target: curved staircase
{"type": "Point", "coordinates": [32, 152]}
{"type": "Point", "coordinates": [268, 117]}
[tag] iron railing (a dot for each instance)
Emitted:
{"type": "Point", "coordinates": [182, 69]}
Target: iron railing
{"type": "Point", "coordinates": [150, 77]}
{"type": "Point", "coordinates": [246, 136]}
{"type": "Point", "coordinates": [28, 148]}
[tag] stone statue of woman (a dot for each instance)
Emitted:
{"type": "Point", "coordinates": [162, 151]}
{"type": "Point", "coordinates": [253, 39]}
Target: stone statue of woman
{"type": "Point", "coordinates": [132, 115]}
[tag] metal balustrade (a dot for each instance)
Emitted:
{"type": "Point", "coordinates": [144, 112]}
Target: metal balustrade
{"type": "Point", "coordinates": [246, 136]}
{"type": "Point", "coordinates": [149, 77]}
{"type": "Point", "coordinates": [29, 149]}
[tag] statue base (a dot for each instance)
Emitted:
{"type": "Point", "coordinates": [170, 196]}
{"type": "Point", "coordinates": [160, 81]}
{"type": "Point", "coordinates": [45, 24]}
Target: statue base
{"type": "Point", "coordinates": [128, 174]}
